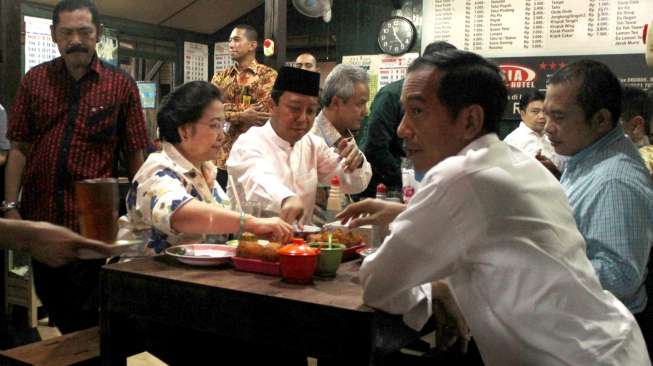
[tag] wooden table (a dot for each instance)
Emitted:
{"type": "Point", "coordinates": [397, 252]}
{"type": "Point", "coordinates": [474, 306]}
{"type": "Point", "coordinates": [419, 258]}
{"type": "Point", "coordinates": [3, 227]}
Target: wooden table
{"type": "Point", "coordinates": [326, 319]}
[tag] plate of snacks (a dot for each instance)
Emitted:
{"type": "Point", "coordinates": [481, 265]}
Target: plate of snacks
{"type": "Point", "coordinates": [258, 256]}
{"type": "Point", "coordinates": [202, 254]}
{"type": "Point", "coordinates": [351, 240]}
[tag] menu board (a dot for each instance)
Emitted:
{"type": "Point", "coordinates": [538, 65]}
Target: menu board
{"type": "Point", "coordinates": [512, 28]}
{"type": "Point", "coordinates": [196, 61]}
{"type": "Point", "coordinates": [39, 47]}
{"type": "Point", "coordinates": [221, 57]}
{"type": "Point", "coordinates": [393, 68]}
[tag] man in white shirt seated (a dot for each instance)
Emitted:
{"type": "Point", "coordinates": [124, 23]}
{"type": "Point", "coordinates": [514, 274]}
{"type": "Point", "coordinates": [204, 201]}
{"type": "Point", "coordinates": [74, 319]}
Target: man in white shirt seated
{"type": "Point", "coordinates": [529, 136]}
{"type": "Point", "coordinates": [344, 101]}
{"type": "Point", "coordinates": [280, 163]}
{"type": "Point", "coordinates": [494, 225]}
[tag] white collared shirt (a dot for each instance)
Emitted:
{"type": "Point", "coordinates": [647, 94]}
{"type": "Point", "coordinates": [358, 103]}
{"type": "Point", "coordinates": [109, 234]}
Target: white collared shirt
{"type": "Point", "coordinates": [268, 169]}
{"type": "Point", "coordinates": [530, 142]}
{"type": "Point", "coordinates": [498, 226]}
{"type": "Point", "coordinates": [325, 129]}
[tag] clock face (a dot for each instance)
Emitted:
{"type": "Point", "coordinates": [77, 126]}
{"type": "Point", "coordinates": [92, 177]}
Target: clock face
{"type": "Point", "coordinates": [396, 35]}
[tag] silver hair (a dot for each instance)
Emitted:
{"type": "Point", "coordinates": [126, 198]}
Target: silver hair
{"type": "Point", "coordinates": [340, 82]}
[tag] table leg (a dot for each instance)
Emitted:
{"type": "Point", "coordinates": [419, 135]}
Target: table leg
{"type": "Point", "coordinates": [111, 343]}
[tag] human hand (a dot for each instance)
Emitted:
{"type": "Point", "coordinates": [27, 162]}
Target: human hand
{"type": "Point", "coordinates": [450, 324]}
{"type": "Point", "coordinates": [56, 245]}
{"type": "Point", "coordinates": [292, 209]}
{"type": "Point", "coordinates": [274, 228]}
{"type": "Point", "coordinates": [548, 164]}
{"type": "Point", "coordinates": [353, 157]}
{"type": "Point", "coordinates": [370, 211]}
{"type": "Point", "coordinates": [252, 116]}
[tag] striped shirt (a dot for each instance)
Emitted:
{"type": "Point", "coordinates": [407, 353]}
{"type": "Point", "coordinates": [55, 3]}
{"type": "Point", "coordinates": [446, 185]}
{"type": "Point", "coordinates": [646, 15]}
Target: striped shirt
{"type": "Point", "coordinates": [611, 194]}
{"type": "Point", "coordinates": [75, 129]}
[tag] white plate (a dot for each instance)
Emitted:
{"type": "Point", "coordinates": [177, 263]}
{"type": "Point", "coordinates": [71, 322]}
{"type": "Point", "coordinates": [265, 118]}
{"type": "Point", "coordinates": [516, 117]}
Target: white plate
{"type": "Point", "coordinates": [117, 248]}
{"type": "Point", "coordinates": [308, 229]}
{"type": "Point", "coordinates": [202, 254]}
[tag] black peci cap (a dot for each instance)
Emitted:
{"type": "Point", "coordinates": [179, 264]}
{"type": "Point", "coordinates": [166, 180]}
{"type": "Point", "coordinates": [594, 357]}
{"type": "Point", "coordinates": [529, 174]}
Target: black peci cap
{"type": "Point", "coordinates": [299, 81]}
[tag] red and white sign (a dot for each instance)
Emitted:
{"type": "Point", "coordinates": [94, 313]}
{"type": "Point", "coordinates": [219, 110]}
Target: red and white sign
{"type": "Point", "coordinates": [517, 77]}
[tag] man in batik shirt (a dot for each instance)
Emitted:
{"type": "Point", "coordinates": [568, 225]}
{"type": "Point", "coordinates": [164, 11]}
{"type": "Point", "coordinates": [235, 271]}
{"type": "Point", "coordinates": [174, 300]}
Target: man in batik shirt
{"type": "Point", "coordinates": [246, 89]}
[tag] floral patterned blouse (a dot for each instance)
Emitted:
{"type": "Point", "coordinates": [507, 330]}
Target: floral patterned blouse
{"type": "Point", "coordinates": [647, 155]}
{"type": "Point", "coordinates": [165, 182]}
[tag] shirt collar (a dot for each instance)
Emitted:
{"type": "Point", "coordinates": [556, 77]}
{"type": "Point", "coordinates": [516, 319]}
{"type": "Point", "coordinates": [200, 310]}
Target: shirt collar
{"type": "Point", "coordinates": [278, 141]}
{"type": "Point", "coordinates": [173, 154]}
{"type": "Point", "coordinates": [598, 145]}
{"type": "Point", "coordinates": [481, 142]}
{"type": "Point", "coordinates": [530, 130]}
{"type": "Point", "coordinates": [326, 129]}
{"type": "Point", "coordinates": [253, 68]}
{"type": "Point", "coordinates": [95, 65]}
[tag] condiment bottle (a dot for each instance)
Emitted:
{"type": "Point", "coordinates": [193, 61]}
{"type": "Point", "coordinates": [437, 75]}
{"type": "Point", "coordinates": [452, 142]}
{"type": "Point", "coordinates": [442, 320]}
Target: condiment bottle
{"type": "Point", "coordinates": [379, 232]}
{"type": "Point", "coordinates": [334, 202]}
{"type": "Point", "coordinates": [380, 191]}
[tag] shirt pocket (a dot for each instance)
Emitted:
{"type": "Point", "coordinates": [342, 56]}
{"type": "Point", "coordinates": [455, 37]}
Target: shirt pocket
{"type": "Point", "coordinates": [100, 120]}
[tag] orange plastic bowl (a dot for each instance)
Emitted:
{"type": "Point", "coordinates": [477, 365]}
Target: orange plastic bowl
{"type": "Point", "coordinates": [297, 263]}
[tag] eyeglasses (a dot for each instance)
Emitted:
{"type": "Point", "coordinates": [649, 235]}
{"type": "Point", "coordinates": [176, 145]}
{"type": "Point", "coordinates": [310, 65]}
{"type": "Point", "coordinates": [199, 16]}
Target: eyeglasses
{"type": "Point", "coordinates": [217, 127]}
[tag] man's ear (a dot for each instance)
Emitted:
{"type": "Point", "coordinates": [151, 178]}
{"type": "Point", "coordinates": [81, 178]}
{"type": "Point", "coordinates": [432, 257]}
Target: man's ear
{"type": "Point", "coordinates": [638, 124]}
{"type": "Point", "coordinates": [336, 101]}
{"type": "Point", "coordinates": [472, 118]}
{"type": "Point", "coordinates": [271, 105]}
{"type": "Point", "coordinates": [253, 45]}
{"type": "Point", "coordinates": [98, 34]}
{"type": "Point", "coordinates": [603, 120]}
{"type": "Point", "coordinates": [53, 34]}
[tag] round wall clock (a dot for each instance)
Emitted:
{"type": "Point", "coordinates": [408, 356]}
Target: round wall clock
{"type": "Point", "coordinates": [396, 36]}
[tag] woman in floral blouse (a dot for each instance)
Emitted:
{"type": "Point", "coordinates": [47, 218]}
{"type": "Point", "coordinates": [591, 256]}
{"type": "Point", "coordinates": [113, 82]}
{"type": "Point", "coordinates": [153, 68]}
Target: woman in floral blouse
{"type": "Point", "coordinates": [174, 198]}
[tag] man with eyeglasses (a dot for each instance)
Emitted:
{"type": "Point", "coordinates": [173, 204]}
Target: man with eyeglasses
{"type": "Point", "coordinates": [72, 118]}
{"type": "Point", "coordinates": [529, 136]}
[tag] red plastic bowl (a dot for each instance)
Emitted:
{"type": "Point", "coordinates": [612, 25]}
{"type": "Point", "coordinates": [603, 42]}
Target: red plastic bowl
{"type": "Point", "coordinates": [298, 268]}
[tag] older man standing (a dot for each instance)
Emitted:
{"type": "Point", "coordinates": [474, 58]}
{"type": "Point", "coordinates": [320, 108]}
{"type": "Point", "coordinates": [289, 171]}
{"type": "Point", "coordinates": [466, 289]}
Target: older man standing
{"type": "Point", "coordinates": [606, 181]}
{"type": "Point", "coordinates": [246, 89]}
{"type": "Point", "coordinates": [280, 163]}
{"type": "Point", "coordinates": [515, 262]}
{"type": "Point", "coordinates": [70, 118]}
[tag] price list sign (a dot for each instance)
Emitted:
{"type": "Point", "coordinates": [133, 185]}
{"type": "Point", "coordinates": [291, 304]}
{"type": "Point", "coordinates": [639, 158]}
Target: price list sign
{"type": "Point", "coordinates": [196, 61]}
{"type": "Point", "coordinates": [509, 28]}
{"type": "Point", "coordinates": [39, 47]}
{"type": "Point", "coordinates": [393, 68]}
{"type": "Point", "coordinates": [221, 58]}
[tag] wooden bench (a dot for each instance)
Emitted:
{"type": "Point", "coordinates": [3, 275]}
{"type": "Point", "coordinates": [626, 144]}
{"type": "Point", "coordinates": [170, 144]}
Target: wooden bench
{"type": "Point", "coordinates": [78, 348]}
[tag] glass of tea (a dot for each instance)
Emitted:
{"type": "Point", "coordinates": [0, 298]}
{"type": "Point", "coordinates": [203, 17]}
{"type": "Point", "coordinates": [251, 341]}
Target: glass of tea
{"type": "Point", "coordinates": [97, 208]}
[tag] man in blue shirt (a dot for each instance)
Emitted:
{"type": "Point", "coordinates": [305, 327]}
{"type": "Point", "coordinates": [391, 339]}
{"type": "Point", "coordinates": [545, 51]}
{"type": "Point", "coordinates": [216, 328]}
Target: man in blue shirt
{"type": "Point", "coordinates": [606, 181]}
